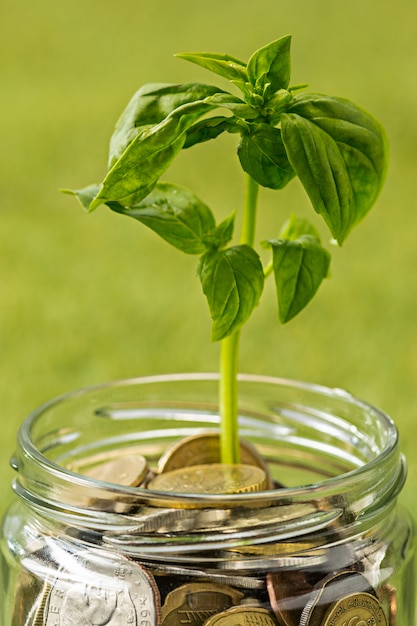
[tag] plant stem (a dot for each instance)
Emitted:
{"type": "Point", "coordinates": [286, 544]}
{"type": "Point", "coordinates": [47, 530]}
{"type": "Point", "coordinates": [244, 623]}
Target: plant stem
{"type": "Point", "coordinates": [229, 438]}
{"type": "Point", "coordinates": [249, 212]}
{"type": "Point", "coordinates": [229, 354]}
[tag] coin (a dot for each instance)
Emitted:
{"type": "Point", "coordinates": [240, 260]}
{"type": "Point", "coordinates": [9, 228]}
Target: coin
{"type": "Point", "coordinates": [287, 594]}
{"type": "Point", "coordinates": [388, 594]}
{"type": "Point", "coordinates": [194, 603]}
{"type": "Point", "coordinates": [205, 448]}
{"type": "Point", "coordinates": [121, 467]}
{"type": "Point", "coordinates": [38, 618]}
{"type": "Point", "coordinates": [357, 608]}
{"type": "Point", "coordinates": [105, 589]}
{"type": "Point", "coordinates": [235, 580]}
{"type": "Point", "coordinates": [337, 592]}
{"type": "Point", "coordinates": [242, 616]}
{"type": "Point", "coordinates": [151, 520]}
{"type": "Point", "coordinates": [26, 596]}
{"type": "Point", "coordinates": [128, 470]}
{"type": "Point", "coordinates": [214, 478]}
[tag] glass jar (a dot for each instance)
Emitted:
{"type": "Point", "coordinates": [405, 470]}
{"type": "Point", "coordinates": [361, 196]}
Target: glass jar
{"type": "Point", "coordinates": [325, 544]}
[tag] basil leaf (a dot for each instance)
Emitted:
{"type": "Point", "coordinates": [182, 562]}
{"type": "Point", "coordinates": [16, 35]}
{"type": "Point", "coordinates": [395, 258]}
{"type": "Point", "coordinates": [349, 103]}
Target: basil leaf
{"type": "Point", "coordinates": [147, 157]}
{"type": "Point", "coordinates": [207, 129]}
{"type": "Point", "coordinates": [149, 106]}
{"type": "Point", "coordinates": [232, 280]}
{"type": "Point", "coordinates": [223, 64]}
{"type": "Point", "coordinates": [295, 227]}
{"type": "Point", "coordinates": [299, 268]}
{"type": "Point", "coordinates": [175, 214]}
{"type": "Point", "coordinates": [234, 104]}
{"type": "Point", "coordinates": [221, 235]}
{"type": "Point", "coordinates": [85, 195]}
{"type": "Point", "coordinates": [271, 64]}
{"type": "Point", "coordinates": [263, 156]}
{"type": "Point", "coordinates": [339, 152]}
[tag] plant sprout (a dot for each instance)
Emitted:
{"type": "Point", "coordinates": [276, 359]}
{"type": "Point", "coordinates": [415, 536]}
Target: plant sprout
{"type": "Point", "coordinates": [336, 150]}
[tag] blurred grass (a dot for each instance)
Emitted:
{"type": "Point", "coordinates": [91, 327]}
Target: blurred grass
{"type": "Point", "coordinates": [86, 299]}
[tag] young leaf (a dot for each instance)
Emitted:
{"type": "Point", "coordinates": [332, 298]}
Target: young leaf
{"type": "Point", "coordinates": [234, 104]}
{"type": "Point", "coordinates": [262, 155]}
{"type": "Point", "coordinates": [175, 214]}
{"type": "Point", "coordinates": [223, 64]}
{"type": "Point", "coordinates": [147, 157]}
{"type": "Point", "coordinates": [295, 227]}
{"type": "Point", "coordinates": [221, 235]}
{"type": "Point", "coordinates": [339, 152]}
{"type": "Point", "coordinates": [271, 64]}
{"type": "Point", "coordinates": [149, 106]}
{"type": "Point", "coordinates": [232, 280]}
{"type": "Point", "coordinates": [85, 195]}
{"type": "Point", "coordinates": [299, 267]}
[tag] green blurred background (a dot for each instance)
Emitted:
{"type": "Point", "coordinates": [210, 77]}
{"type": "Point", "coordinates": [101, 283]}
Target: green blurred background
{"type": "Point", "coordinates": [90, 298]}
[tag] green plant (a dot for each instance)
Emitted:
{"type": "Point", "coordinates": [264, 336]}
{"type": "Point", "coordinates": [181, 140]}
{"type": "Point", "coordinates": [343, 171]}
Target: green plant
{"type": "Point", "coordinates": [337, 151]}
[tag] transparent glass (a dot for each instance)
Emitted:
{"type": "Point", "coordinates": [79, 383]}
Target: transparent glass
{"type": "Point", "coordinates": [325, 544]}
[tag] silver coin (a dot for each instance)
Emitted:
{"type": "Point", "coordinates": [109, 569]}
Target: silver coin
{"type": "Point", "coordinates": [99, 588]}
{"type": "Point", "coordinates": [242, 582]}
{"type": "Point", "coordinates": [330, 591]}
{"type": "Point", "coordinates": [151, 520]}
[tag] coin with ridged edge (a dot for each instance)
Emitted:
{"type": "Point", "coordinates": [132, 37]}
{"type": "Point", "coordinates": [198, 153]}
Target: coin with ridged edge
{"type": "Point", "coordinates": [355, 610]}
{"type": "Point", "coordinates": [214, 478]}
{"type": "Point", "coordinates": [194, 603]}
{"type": "Point", "coordinates": [39, 609]}
{"type": "Point", "coordinates": [99, 588]}
{"type": "Point", "coordinates": [335, 595]}
{"type": "Point", "coordinates": [242, 616]}
{"type": "Point", "coordinates": [205, 448]}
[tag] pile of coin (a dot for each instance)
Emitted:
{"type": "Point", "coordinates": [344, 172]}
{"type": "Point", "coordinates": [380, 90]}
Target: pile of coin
{"type": "Point", "coordinates": [188, 566]}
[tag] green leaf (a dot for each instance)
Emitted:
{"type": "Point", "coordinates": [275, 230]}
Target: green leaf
{"type": "Point", "coordinates": [232, 280]}
{"type": "Point", "coordinates": [85, 195]}
{"type": "Point", "coordinates": [299, 268]}
{"type": "Point", "coordinates": [207, 129]}
{"type": "Point", "coordinates": [339, 152]}
{"type": "Point", "coordinates": [151, 104]}
{"type": "Point", "coordinates": [234, 104]}
{"type": "Point", "coordinates": [263, 156]}
{"type": "Point", "coordinates": [295, 227]}
{"type": "Point", "coordinates": [147, 157]}
{"type": "Point", "coordinates": [221, 234]}
{"type": "Point", "coordinates": [175, 214]}
{"type": "Point", "coordinates": [271, 64]}
{"type": "Point", "coordinates": [223, 64]}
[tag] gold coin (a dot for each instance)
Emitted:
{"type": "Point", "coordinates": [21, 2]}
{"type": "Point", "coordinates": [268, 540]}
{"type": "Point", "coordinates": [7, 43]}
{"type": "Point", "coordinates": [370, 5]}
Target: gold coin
{"type": "Point", "coordinates": [242, 616]}
{"type": "Point", "coordinates": [355, 609]}
{"type": "Point", "coordinates": [194, 603]}
{"type": "Point", "coordinates": [205, 448]}
{"type": "Point", "coordinates": [124, 467]}
{"type": "Point", "coordinates": [338, 591]}
{"type": "Point", "coordinates": [26, 597]}
{"type": "Point", "coordinates": [214, 478]}
{"type": "Point", "coordinates": [128, 470]}
{"type": "Point", "coordinates": [39, 614]}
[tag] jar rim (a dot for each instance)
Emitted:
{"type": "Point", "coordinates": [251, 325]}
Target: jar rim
{"type": "Point", "coordinates": [387, 456]}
